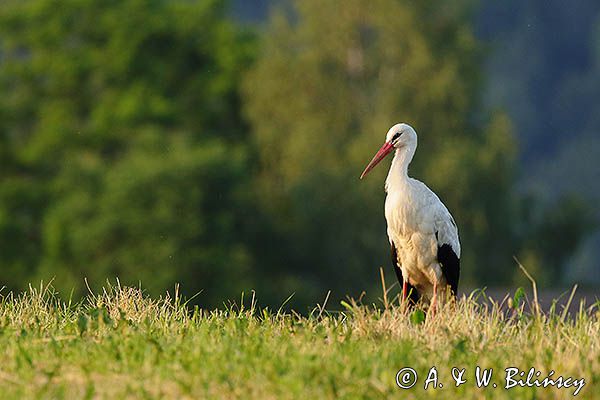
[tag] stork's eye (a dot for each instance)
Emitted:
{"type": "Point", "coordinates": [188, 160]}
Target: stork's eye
{"type": "Point", "coordinates": [396, 136]}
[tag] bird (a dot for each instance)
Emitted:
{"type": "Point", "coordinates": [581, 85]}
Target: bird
{"type": "Point", "coordinates": [423, 235]}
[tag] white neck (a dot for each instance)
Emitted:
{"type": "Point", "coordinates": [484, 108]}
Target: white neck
{"type": "Point", "coordinates": [398, 174]}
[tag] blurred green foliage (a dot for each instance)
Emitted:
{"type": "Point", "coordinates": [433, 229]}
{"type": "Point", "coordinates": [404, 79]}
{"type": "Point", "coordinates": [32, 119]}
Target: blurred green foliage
{"type": "Point", "coordinates": [123, 147]}
{"type": "Point", "coordinates": [159, 142]}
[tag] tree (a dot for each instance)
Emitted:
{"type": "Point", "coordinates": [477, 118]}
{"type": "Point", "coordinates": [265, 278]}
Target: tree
{"type": "Point", "coordinates": [127, 152]}
{"type": "Point", "coordinates": [332, 77]}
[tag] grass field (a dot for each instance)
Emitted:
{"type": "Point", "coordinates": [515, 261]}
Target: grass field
{"type": "Point", "coordinates": [122, 344]}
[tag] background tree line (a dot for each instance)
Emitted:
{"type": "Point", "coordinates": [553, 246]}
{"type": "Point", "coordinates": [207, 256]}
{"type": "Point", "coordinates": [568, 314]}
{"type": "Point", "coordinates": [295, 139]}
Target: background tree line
{"type": "Point", "coordinates": [161, 141]}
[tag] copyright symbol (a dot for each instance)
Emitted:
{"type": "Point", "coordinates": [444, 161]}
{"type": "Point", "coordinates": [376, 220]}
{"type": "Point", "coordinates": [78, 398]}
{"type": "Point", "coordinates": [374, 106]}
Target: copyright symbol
{"type": "Point", "coordinates": [406, 378]}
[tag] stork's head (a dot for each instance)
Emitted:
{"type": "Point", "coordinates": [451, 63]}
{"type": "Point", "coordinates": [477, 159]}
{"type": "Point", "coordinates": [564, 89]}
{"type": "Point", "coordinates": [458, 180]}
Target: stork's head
{"type": "Point", "coordinates": [400, 136]}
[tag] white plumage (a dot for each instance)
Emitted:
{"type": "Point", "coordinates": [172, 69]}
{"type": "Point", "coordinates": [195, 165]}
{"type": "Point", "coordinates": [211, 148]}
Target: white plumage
{"type": "Point", "coordinates": [422, 233]}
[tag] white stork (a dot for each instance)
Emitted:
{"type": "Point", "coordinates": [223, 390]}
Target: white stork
{"type": "Point", "coordinates": [422, 233]}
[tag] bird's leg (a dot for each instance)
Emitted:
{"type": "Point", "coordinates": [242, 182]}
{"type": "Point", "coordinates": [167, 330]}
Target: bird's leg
{"type": "Point", "coordinates": [434, 299]}
{"type": "Point", "coordinates": [404, 290]}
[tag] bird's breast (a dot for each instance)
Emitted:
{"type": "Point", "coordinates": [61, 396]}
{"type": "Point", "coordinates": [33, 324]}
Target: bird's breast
{"type": "Point", "coordinates": [406, 215]}
{"type": "Point", "coordinates": [411, 230]}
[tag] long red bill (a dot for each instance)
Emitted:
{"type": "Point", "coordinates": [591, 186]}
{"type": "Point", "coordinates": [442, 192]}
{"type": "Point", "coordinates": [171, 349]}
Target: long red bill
{"type": "Point", "coordinates": [383, 151]}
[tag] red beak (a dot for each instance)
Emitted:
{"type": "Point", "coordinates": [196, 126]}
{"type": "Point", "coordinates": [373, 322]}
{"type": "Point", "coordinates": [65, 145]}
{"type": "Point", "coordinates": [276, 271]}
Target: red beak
{"type": "Point", "coordinates": [383, 151]}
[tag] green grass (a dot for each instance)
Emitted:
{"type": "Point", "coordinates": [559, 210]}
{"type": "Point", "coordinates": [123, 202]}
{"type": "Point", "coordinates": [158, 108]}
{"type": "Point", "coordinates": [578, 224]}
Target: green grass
{"type": "Point", "coordinates": [122, 344]}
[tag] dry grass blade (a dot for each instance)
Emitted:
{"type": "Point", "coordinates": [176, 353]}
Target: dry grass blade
{"type": "Point", "coordinates": [386, 304]}
{"type": "Point", "coordinates": [321, 307]}
{"type": "Point", "coordinates": [568, 305]}
{"type": "Point", "coordinates": [536, 303]}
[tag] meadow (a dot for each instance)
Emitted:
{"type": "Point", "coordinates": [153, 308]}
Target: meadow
{"type": "Point", "coordinates": [120, 343]}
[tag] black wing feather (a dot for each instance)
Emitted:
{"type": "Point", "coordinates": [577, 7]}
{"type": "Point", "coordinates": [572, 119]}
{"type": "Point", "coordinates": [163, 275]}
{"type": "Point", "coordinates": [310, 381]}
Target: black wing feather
{"type": "Point", "coordinates": [413, 295]}
{"type": "Point", "coordinates": [450, 265]}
